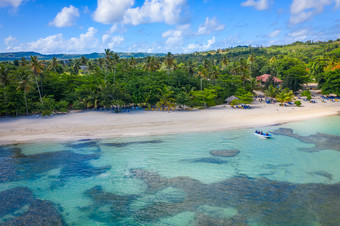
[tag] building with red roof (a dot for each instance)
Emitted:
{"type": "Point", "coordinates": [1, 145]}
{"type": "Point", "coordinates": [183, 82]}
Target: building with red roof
{"type": "Point", "coordinates": [336, 67]}
{"type": "Point", "coordinates": [265, 77]}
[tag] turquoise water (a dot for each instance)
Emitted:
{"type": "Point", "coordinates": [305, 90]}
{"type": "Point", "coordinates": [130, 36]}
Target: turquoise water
{"type": "Point", "coordinates": [292, 179]}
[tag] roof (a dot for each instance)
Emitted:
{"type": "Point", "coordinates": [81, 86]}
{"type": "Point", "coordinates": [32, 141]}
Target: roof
{"type": "Point", "coordinates": [336, 67]}
{"type": "Point", "coordinates": [230, 99]}
{"type": "Point", "coordinates": [265, 77]}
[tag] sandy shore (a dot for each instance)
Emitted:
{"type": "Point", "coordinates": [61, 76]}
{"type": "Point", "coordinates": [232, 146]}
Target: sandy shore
{"type": "Point", "coordinates": [93, 124]}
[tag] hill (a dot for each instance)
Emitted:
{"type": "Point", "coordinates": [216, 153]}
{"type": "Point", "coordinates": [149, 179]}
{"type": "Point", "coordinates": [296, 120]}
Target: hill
{"type": "Point", "coordinates": [18, 55]}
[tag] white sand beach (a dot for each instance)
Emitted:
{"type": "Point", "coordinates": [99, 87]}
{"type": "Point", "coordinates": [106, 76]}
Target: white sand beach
{"type": "Point", "coordinates": [94, 124]}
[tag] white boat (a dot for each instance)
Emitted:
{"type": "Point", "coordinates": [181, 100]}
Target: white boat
{"type": "Point", "coordinates": [263, 135]}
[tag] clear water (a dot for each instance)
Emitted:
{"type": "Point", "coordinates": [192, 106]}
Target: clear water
{"type": "Point", "coordinates": [175, 180]}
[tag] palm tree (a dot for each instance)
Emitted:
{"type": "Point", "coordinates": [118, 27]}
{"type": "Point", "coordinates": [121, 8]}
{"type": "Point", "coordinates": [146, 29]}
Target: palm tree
{"type": "Point", "coordinates": [148, 64]}
{"type": "Point", "coordinates": [83, 60]}
{"type": "Point", "coordinates": [271, 91]}
{"type": "Point", "coordinates": [125, 66]}
{"type": "Point", "coordinates": [25, 83]}
{"type": "Point", "coordinates": [243, 68]}
{"type": "Point", "coordinates": [285, 96]}
{"type": "Point", "coordinates": [202, 73]}
{"type": "Point", "coordinates": [4, 80]}
{"type": "Point", "coordinates": [132, 62]}
{"type": "Point", "coordinates": [54, 64]}
{"type": "Point", "coordinates": [101, 63]}
{"type": "Point", "coordinates": [165, 97]}
{"type": "Point", "coordinates": [235, 68]}
{"type": "Point", "coordinates": [190, 67]}
{"type": "Point", "coordinates": [36, 68]}
{"type": "Point", "coordinates": [23, 62]}
{"type": "Point", "coordinates": [207, 64]}
{"type": "Point", "coordinates": [76, 67]}
{"type": "Point", "coordinates": [115, 61]}
{"type": "Point", "coordinates": [214, 73]}
{"type": "Point", "coordinates": [108, 60]}
{"type": "Point", "coordinates": [169, 61]}
{"type": "Point", "coordinates": [155, 64]}
{"type": "Point", "coordinates": [272, 62]}
{"type": "Point", "coordinates": [225, 61]}
{"type": "Point", "coordinates": [251, 60]}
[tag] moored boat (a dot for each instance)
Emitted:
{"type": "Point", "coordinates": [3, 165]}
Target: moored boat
{"type": "Point", "coordinates": [262, 135]}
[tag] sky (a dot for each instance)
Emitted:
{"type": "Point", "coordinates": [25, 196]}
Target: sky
{"type": "Point", "coordinates": [161, 26]}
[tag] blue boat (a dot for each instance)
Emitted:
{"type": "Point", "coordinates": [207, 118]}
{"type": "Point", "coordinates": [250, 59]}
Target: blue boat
{"type": "Point", "coordinates": [262, 135]}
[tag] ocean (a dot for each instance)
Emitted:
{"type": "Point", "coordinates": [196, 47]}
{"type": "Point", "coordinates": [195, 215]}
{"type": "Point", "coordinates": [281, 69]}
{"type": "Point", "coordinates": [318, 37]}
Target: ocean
{"type": "Point", "coordinates": [227, 177]}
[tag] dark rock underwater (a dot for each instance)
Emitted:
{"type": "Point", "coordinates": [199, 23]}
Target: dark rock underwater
{"type": "Point", "coordinates": [256, 200]}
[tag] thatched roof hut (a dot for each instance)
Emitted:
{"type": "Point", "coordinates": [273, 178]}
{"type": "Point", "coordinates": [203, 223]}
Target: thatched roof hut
{"type": "Point", "coordinates": [230, 99]}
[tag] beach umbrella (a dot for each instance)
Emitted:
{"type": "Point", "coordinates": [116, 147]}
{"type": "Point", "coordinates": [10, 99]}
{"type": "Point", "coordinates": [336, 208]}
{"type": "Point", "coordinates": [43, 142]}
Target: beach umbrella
{"type": "Point", "coordinates": [230, 99]}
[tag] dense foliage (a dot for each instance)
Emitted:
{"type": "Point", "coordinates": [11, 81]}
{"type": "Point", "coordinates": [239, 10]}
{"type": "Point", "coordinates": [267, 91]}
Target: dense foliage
{"type": "Point", "coordinates": [199, 80]}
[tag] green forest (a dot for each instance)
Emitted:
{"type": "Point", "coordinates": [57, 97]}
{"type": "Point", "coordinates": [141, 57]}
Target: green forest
{"type": "Point", "coordinates": [200, 79]}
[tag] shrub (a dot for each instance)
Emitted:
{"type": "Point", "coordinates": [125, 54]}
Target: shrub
{"type": "Point", "coordinates": [235, 102]}
{"type": "Point", "coordinates": [309, 97]}
{"type": "Point", "coordinates": [48, 107]}
{"type": "Point", "coordinates": [297, 103]}
{"type": "Point", "coordinates": [62, 106]}
{"type": "Point", "coordinates": [77, 105]}
{"type": "Point", "coordinates": [306, 93]}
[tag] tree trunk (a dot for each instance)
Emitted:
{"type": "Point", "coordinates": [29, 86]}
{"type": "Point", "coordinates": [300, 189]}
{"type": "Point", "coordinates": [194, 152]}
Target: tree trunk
{"type": "Point", "coordinates": [5, 99]}
{"type": "Point", "coordinates": [114, 75]}
{"type": "Point", "coordinates": [26, 103]}
{"type": "Point", "coordinates": [41, 85]}
{"type": "Point", "coordinates": [205, 105]}
{"type": "Point", "coordinates": [36, 80]}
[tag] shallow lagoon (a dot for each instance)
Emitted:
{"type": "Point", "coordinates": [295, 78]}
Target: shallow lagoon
{"type": "Point", "coordinates": [175, 180]}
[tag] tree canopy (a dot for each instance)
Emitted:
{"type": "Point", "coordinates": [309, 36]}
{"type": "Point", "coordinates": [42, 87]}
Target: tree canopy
{"type": "Point", "coordinates": [31, 85]}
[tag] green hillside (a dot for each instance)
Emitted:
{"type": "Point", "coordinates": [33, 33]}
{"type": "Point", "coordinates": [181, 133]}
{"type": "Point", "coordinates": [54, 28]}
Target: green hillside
{"type": "Point", "coordinates": [18, 55]}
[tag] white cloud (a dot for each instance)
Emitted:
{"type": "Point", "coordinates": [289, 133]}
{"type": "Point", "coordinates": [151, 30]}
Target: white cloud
{"type": "Point", "coordinates": [274, 34]}
{"type": "Point", "coordinates": [299, 35]}
{"type": "Point", "coordinates": [115, 41]}
{"type": "Point", "coordinates": [13, 3]}
{"type": "Point", "coordinates": [57, 44]}
{"type": "Point", "coordinates": [119, 28]}
{"type": "Point", "coordinates": [152, 11]}
{"type": "Point", "coordinates": [113, 11]}
{"type": "Point", "coordinates": [112, 42]}
{"type": "Point", "coordinates": [110, 11]}
{"type": "Point", "coordinates": [209, 26]}
{"type": "Point", "coordinates": [9, 40]}
{"type": "Point", "coordinates": [201, 47]}
{"type": "Point", "coordinates": [175, 36]}
{"type": "Point", "coordinates": [259, 5]}
{"type": "Point", "coordinates": [303, 10]}
{"type": "Point", "coordinates": [66, 18]}
{"type": "Point", "coordinates": [105, 37]}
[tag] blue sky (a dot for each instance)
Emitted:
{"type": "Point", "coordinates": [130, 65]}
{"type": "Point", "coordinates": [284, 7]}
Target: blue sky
{"type": "Point", "coordinates": [178, 26]}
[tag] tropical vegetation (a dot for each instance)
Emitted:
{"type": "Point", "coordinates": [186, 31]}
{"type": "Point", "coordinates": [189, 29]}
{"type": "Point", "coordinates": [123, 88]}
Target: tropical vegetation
{"type": "Point", "coordinates": [201, 79]}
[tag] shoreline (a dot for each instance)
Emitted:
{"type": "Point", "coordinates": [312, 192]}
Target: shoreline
{"type": "Point", "coordinates": [104, 125]}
